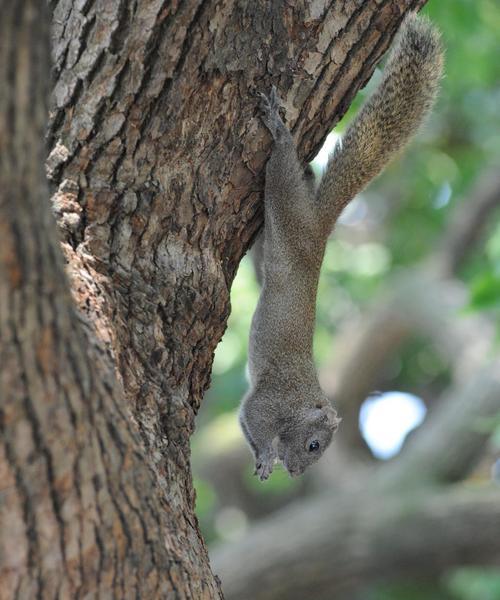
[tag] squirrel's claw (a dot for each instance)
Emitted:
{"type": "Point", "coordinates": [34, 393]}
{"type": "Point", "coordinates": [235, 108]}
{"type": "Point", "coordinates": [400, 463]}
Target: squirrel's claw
{"type": "Point", "coordinates": [263, 470]}
{"type": "Point", "coordinates": [264, 466]}
{"type": "Point", "coordinates": [269, 106]}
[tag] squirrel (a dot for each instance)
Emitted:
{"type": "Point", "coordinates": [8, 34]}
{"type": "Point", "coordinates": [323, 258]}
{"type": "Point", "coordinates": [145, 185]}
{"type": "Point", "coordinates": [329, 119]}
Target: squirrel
{"type": "Point", "coordinates": [285, 415]}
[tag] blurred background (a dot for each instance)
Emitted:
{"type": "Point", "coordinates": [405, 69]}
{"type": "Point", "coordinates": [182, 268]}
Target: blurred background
{"type": "Point", "coordinates": [408, 308]}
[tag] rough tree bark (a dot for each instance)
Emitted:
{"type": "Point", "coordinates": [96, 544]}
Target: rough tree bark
{"type": "Point", "coordinates": [80, 511]}
{"type": "Point", "coordinates": [155, 161]}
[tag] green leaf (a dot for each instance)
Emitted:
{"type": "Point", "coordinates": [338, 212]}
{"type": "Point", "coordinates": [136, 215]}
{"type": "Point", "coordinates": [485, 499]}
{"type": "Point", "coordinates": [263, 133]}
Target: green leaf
{"type": "Point", "coordinates": [485, 291]}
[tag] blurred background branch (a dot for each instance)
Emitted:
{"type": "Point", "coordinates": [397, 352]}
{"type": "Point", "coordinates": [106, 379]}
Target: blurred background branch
{"type": "Point", "coordinates": [322, 549]}
{"type": "Point", "coordinates": [425, 302]}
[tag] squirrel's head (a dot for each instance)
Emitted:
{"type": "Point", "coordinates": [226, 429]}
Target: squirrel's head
{"type": "Point", "coordinates": [305, 442]}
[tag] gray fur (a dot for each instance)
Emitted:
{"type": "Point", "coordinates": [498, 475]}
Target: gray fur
{"type": "Point", "coordinates": [285, 409]}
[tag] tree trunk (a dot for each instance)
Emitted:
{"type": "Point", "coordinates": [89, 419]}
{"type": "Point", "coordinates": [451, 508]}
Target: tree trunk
{"type": "Point", "coordinates": [155, 158]}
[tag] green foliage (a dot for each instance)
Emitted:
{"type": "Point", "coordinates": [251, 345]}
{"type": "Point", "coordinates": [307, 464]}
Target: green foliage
{"type": "Point", "coordinates": [485, 291]}
{"type": "Point", "coordinates": [206, 500]}
{"type": "Point", "coordinates": [474, 584]}
{"type": "Point", "coordinates": [228, 375]}
{"type": "Point", "coordinates": [205, 497]}
{"type": "Point", "coordinates": [485, 277]}
{"type": "Point", "coordinates": [409, 590]}
{"type": "Point", "coordinates": [278, 484]}
{"type": "Point", "coordinates": [459, 584]}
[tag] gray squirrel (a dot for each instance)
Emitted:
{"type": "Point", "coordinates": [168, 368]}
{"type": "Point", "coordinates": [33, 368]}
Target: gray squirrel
{"type": "Point", "coordinates": [285, 414]}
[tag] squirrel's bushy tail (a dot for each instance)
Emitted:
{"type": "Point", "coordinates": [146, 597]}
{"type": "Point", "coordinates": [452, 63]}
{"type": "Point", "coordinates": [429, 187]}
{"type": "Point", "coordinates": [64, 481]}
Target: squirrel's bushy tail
{"type": "Point", "coordinates": [389, 117]}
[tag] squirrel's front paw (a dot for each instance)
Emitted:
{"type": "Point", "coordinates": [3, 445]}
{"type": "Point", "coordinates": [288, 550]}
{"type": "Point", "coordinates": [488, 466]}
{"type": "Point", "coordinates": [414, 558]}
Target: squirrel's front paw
{"type": "Point", "coordinates": [269, 107]}
{"type": "Point", "coordinates": [264, 465]}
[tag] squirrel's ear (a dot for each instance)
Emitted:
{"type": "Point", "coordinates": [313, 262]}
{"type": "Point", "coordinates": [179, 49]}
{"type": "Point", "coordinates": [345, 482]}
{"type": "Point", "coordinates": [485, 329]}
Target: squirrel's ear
{"type": "Point", "coordinates": [331, 416]}
{"type": "Point", "coordinates": [327, 414]}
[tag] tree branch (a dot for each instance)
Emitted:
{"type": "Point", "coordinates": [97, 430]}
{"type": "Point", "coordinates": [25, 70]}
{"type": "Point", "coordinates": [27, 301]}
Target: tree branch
{"type": "Point", "coordinates": [447, 447]}
{"type": "Point", "coordinates": [419, 302]}
{"type": "Point", "coordinates": [469, 221]}
{"type": "Point", "coordinates": [328, 548]}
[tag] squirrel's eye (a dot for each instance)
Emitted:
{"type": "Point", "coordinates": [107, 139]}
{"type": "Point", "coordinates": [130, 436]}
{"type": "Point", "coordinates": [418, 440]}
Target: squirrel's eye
{"type": "Point", "coordinates": [314, 446]}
